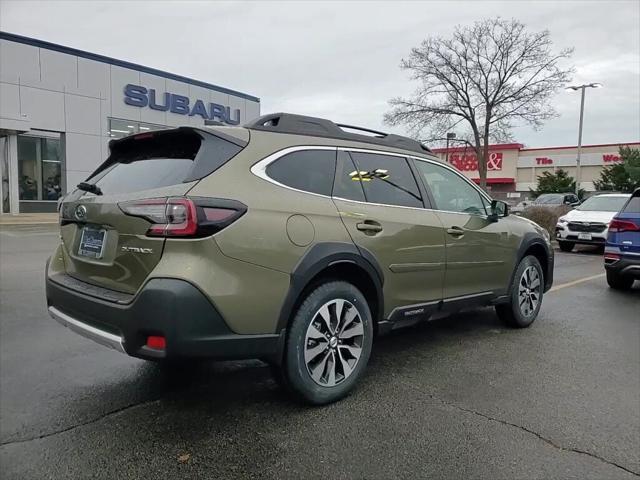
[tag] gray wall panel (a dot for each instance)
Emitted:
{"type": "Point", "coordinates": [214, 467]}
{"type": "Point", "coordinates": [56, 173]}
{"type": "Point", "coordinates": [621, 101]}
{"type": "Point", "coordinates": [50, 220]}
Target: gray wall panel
{"type": "Point", "coordinates": [43, 108]}
{"type": "Point", "coordinates": [9, 101]}
{"type": "Point", "coordinates": [252, 110]}
{"type": "Point", "coordinates": [84, 153]}
{"type": "Point", "coordinates": [58, 70]}
{"type": "Point", "coordinates": [19, 62]}
{"type": "Point", "coordinates": [94, 78]}
{"type": "Point", "coordinates": [82, 114]}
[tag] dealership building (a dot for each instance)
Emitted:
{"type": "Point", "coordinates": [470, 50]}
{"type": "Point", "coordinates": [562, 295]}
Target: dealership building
{"type": "Point", "coordinates": [60, 107]}
{"type": "Point", "coordinates": [512, 169]}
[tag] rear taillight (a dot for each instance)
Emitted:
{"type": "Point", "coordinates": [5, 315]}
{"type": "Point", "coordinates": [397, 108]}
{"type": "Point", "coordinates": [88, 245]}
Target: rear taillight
{"type": "Point", "coordinates": [617, 226]}
{"type": "Point", "coordinates": [185, 217]}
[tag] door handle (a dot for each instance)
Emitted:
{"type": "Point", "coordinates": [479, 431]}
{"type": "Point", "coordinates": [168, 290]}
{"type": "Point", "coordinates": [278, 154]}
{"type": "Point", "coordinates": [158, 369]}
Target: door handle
{"type": "Point", "coordinates": [369, 226]}
{"type": "Point", "coordinates": [455, 231]}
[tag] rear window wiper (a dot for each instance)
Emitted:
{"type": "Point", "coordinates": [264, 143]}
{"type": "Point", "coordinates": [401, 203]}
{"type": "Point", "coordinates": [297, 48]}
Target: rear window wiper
{"type": "Point", "coordinates": [90, 187]}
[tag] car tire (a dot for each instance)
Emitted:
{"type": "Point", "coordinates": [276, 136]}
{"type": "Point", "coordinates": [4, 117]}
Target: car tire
{"type": "Point", "coordinates": [566, 246]}
{"type": "Point", "coordinates": [328, 344]}
{"type": "Point", "coordinates": [619, 282]}
{"type": "Point", "coordinates": [525, 297]}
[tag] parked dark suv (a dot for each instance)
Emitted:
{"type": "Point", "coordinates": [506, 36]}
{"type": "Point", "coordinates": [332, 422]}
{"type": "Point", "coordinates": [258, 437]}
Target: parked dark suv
{"type": "Point", "coordinates": [292, 240]}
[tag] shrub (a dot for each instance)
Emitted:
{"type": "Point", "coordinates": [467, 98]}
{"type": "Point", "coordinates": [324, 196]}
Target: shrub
{"type": "Point", "coordinates": [546, 217]}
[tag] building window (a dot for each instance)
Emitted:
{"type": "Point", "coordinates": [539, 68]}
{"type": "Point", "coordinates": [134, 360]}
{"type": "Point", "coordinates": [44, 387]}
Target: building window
{"type": "Point", "coordinates": [39, 168]}
{"type": "Point", "coordinates": [121, 128]}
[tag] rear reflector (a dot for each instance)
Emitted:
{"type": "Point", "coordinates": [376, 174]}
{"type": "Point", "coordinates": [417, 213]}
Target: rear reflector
{"type": "Point", "coordinates": [617, 226]}
{"type": "Point", "coordinates": [218, 214]}
{"type": "Point", "coordinates": [159, 343]}
{"type": "Point", "coordinates": [612, 257]}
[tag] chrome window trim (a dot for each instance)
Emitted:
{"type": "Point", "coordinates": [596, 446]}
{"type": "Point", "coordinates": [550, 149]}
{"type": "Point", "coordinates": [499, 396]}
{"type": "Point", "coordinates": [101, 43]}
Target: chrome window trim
{"type": "Point", "coordinates": [259, 169]}
{"type": "Point", "coordinates": [422, 159]}
{"type": "Point", "coordinates": [422, 209]}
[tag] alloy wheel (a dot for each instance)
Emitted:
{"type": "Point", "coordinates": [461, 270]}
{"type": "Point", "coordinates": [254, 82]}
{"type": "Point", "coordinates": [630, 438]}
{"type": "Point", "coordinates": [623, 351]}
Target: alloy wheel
{"type": "Point", "coordinates": [333, 342]}
{"type": "Point", "coordinates": [529, 291]}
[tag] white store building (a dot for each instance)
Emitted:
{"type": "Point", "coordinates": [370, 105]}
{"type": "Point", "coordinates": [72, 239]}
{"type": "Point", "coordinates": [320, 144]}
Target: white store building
{"type": "Point", "coordinates": [59, 107]}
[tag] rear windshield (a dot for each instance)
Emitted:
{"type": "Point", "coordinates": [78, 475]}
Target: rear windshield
{"type": "Point", "coordinates": [633, 206]}
{"type": "Point", "coordinates": [160, 159]}
{"type": "Point", "coordinates": [603, 204]}
{"type": "Point", "coordinates": [549, 199]}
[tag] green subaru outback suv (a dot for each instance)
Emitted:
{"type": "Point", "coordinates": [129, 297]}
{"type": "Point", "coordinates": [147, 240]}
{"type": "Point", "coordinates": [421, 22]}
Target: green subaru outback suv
{"type": "Point", "coordinates": [293, 240]}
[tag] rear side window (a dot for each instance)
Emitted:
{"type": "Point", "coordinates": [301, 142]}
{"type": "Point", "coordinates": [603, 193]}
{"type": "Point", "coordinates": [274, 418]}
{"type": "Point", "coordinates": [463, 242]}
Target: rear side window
{"type": "Point", "coordinates": [160, 159]}
{"type": "Point", "coordinates": [306, 170]}
{"type": "Point", "coordinates": [387, 180]}
{"type": "Point", "coordinates": [633, 206]}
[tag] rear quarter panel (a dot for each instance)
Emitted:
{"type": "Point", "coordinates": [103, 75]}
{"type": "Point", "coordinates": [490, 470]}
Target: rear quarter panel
{"type": "Point", "coordinates": [261, 236]}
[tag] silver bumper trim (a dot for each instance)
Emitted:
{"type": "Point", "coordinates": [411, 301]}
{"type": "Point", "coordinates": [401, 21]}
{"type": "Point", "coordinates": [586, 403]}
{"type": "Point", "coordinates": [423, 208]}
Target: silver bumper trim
{"type": "Point", "coordinates": [100, 336]}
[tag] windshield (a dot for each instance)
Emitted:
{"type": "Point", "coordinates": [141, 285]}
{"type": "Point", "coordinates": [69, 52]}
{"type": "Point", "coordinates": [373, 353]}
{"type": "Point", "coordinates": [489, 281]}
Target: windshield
{"type": "Point", "coordinates": [550, 198]}
{"type": "Point", "coordinates": [603, 204]}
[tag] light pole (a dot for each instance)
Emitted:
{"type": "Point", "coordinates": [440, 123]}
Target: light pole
{"type": "Point", "coordinates": [582, 88]}
{"type": "Point", "coordinates": [450, 136]}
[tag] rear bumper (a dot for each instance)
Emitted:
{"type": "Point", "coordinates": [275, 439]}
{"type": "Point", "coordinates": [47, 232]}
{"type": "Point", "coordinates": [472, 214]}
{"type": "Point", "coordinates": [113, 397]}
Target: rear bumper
{"type": "Point", "coordinates": [627, 266]}
{"type": "Point", "coordinates": [172, 308]}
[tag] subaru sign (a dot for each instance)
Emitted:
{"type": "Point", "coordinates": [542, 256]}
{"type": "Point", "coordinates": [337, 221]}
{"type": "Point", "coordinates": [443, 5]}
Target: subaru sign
{"type": "Point", "coordinates": [139, 96]}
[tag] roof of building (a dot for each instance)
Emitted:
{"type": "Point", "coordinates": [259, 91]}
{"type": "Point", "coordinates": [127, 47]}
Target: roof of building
{"type": "Point", "coordinates": [619, 144]}
{"type": "Point", "coordinates": [468, 148]}
{"type": "Point", "coordinates": [12, 37]}
{"type": "Point", "coordinates": [520, 147]}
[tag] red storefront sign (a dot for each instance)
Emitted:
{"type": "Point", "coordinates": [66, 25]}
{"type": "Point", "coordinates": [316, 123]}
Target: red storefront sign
{"type": "Point", "coordinates": [469, 163]}
{"type": "Point", "coordinates": [611, 158]}
{"type": "Point", "coordinates": [544, 161]}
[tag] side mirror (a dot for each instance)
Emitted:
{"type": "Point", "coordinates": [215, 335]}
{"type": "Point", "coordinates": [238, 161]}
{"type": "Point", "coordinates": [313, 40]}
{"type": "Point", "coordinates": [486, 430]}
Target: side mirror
{"type": "Point", "coordinates": [498, 209]}
{"type": "Point", "coordinates": [575, 204]}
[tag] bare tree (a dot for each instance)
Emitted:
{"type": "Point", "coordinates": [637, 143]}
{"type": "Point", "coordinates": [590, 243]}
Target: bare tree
{"type": "Point", "coordinates": [484, 79]}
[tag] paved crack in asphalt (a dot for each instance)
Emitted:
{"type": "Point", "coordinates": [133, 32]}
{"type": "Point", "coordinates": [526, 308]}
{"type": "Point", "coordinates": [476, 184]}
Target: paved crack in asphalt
{"type": "Point", "coordinates": [429, 395]}
{"type": "Point", "coordinates": [524, 429]}
{"type": "Point", "coordinates": [82, 424]}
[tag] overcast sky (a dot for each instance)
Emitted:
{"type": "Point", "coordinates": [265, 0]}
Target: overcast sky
{"type": "Point", "coordinates": [340, 59]}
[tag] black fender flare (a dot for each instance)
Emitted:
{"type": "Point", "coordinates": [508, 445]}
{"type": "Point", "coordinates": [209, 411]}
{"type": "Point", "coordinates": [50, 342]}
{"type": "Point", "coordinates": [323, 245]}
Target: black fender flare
{"type": "Point", "coordinates": [321, 256]}
{"type": "Point", "coordinates": [528, 240]}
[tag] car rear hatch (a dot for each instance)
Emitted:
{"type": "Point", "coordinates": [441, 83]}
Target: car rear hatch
{"type": "Point", "coordinates": [114, 225]}
{"type": "Point", "coordinates": [624, 229]}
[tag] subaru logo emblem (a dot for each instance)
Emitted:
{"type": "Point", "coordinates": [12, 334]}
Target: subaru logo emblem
{"type": "Point", "coordinates": [81, 212]}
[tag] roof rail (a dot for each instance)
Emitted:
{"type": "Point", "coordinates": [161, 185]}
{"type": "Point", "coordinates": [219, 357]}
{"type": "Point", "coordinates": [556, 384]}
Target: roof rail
{"type": "Point", "coordinates": [321, 127]}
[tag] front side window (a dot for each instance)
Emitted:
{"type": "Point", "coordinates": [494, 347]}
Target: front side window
{"type": "Point", "coordinates": [306, 170]}
{"type": "Point", "coordinates": [450, 191]}
{"type": "Point", "coordinates": [387, 180]}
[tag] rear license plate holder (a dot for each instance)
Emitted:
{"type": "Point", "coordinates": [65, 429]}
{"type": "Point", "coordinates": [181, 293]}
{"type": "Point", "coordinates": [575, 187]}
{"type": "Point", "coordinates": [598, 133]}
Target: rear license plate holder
{"type": "Point", "coordinates": [92, 242]}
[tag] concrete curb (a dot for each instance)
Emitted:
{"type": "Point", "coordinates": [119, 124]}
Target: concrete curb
{"type": "Point", "coordinates": [29, 219]}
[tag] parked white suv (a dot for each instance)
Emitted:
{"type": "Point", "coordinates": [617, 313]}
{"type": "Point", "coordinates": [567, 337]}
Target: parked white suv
{"type": "Point", "coordinates": [589, 222]}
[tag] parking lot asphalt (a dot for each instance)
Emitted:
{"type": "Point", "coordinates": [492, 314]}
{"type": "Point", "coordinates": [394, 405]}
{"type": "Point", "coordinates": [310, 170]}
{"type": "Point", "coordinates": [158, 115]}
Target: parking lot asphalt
{"type": "Point", "coordinates": [463, 397]}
